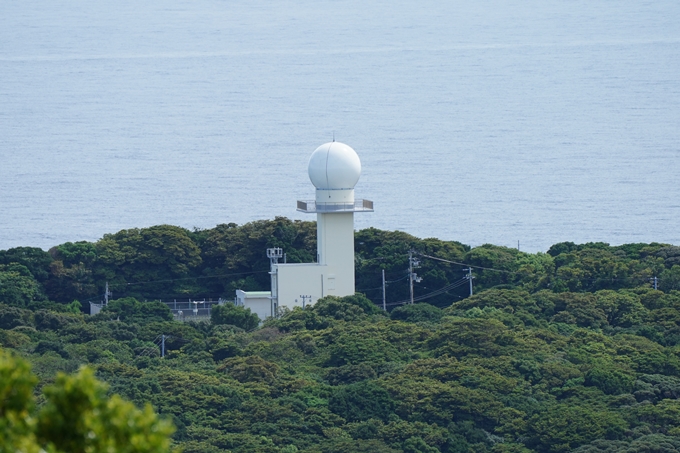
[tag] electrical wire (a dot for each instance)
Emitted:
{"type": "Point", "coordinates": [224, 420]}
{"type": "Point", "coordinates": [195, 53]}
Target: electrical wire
{"type": "Point", "coordinates": [435, 293]}
{"type": "Point", "coordinates": [464, 264]}
{"type": "Point", "coordinates": [368, 289]}
{"type": "Point", "coordinates": [397, 280]}
{"type": "Point", "coordinates": [640, 279]}
{"type": "Point", "coordinates": [196, 278]}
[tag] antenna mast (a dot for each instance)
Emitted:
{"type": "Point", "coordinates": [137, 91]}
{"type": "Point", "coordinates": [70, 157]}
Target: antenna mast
{"type": "Point", "coordinates": [274, 254]}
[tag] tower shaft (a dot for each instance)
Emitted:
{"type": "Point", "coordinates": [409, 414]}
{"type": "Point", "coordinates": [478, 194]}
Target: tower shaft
{"type": "Point", "coordinates": [335, 249]}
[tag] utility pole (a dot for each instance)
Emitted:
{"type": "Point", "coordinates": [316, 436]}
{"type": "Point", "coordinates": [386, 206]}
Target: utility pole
{"type": "Point", "coordinates": [383, 285]}
{"type": "Point", "coordinates": [410, 273]}
{"type": "Point", "coordinates": [107, 293]}
{"type": "Point", "coordinates": [469, 276]}
{"type": "Point", "coordinates": [413, 263]}
{"type": "Point", "coordinates": [656, 282]}
{"type": "Point", "coordinates": [162, 345]}
{"type": "Point", "coordinates": [304, 300]}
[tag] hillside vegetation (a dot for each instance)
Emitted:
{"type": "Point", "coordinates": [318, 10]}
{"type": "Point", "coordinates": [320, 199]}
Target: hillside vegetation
{"type": "Point", "coordinates": [570, 350]}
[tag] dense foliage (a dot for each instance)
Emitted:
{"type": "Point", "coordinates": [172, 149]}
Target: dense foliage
{"type": "Point", "coordinates": [77, 417]}
{"type": "Point", "coordinates": [569, 350]}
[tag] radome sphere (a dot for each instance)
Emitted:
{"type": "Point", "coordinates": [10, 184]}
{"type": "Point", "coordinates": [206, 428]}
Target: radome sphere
{"type": "Point", "coordinates": [334, 166]}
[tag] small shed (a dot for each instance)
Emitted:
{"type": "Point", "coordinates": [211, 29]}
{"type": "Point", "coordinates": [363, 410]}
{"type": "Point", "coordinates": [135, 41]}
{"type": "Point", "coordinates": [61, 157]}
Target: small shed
{"type": "Point", "coordinates": [259, 302]}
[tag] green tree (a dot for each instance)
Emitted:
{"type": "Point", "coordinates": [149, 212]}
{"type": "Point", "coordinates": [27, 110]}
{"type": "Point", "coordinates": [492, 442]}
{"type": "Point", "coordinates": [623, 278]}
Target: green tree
{"type": "Point", "coordinates": [361, 401]}
{"type": "Point", "coordinates": [670, 255]}
{"type": "Point", "coordinates": [72, 273]}
{"type": "Point", "coordinates": [352, 347]}
{"type": "Point", "coordinates": [651, 443]}
{"type": "Point", "coordinates": [11, 317]}
{"type": "Point", "coordinates": [610, 380]}
{"type": "Point", "coordinates": [622, 309]}
{"type": "Point", "coordinates": [18, 287]}
{"type": "Point", "coordinates": [75, 307]}
{"type": "Point", "coordinates": [348, 308]}
{"type": "Point", "coordinates": [130, 309]}
{"type": "Point", "coordinates": [376, 250]}
{"type": "Point", "coordinates": [670, 279]}
{"type": "Point", "coordinates": [154, 262]}
{"type": "Point", "coordinates": [564, 427]}
{"type": "Point", "coordinates": [78, 416]}
{"type": "Point", "coordinates": [592, 267]}
{"type": "Point", "coordinates": [50, 320]}
{"type": "Point", "coordinates": [36, 260]}
{"type": "Point", "coordinates": [229, 249]}
{"type": "Point", "coordinates": [250, 369]}
{"type": "Point", "coordinates": [417, 313]}
{"type": "Point", "coordinates": [236, 316]}
{"type": "Point", "coordinates": [16, 405]}
{"type": "Point", "coordinates": [503, 259]}
{"type": "Point", "coordinates": [663, 417]}
{"type": "Point", "coordinates": [578, 308]}
{"type": "Point", "coordinates": [459, 337]}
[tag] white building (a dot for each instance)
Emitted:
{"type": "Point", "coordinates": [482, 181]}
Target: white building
{"type": "Point", "coordinates": [334, 169]}
{"type": "Point", "coordinates": [259, 302]}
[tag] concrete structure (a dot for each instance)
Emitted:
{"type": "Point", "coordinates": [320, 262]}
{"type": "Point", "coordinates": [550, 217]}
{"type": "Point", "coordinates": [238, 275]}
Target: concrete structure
{"type": "Point", "coordinates": [334, 169]}
{"type": "Point", "coordinates": [259, 302]}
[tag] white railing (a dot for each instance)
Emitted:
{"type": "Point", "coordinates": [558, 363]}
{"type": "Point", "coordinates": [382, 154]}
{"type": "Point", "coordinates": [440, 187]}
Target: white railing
{"type": "Point", "coordinates": [313, 206]}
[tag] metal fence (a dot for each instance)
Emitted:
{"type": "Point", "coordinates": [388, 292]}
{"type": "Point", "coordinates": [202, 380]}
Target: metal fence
{"type": "Point", "coordinates": [192, 310]}
{"type": "Point", "coordinates": [182, 310]}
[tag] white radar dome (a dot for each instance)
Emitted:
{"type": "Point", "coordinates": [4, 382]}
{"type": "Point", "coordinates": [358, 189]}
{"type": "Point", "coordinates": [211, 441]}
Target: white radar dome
{"type": "Point", "coordinates": [334, 165]}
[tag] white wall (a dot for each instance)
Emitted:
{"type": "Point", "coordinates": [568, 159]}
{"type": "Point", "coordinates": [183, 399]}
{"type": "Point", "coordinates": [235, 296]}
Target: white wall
{"type": "Point", "coordinates": [258, 302]}
{"type": "Point", "coordinates": [295, 280]}
{"type": "Point", "coordinates": [335, 245]}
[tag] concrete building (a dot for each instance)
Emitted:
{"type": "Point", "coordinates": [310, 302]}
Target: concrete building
{"type": "Point", "coordinates": [259, 302]}
{"type": "Point", "coordinates": [334, 169]}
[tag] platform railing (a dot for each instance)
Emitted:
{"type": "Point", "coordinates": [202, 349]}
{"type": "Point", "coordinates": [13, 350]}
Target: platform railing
{"type": "Point", "coordinates": [314, 206]}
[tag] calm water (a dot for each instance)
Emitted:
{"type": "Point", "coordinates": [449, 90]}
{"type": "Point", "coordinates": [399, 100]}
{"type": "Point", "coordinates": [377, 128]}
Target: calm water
{"type": "Point", "coordinates": [482, 121]}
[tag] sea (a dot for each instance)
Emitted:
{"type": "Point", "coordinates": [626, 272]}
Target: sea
{"type": "Point", "coordinates": [516, 123]}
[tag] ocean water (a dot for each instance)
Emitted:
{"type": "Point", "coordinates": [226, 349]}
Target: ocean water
{"type": "Point", "coordinates": [483, 122]}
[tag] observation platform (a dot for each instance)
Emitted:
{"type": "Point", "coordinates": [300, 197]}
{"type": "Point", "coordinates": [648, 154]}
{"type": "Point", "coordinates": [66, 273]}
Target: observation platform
{"type": "Point", "coordinates": [311, 206]}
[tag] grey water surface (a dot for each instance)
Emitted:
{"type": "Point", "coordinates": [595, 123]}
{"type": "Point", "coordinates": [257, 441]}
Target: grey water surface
{"type": "Point", "coordinates": [478, 121]}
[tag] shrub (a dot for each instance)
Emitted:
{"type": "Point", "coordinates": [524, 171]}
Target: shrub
{"type": "Point", "coordinates": [417, 313]}
{"type": "Point", "coordinates": [361, 401]}
{"type": "Point", "coordinates": [11, 317]}
{"type": "Point", "coordinates": [236, 316]}
{"type": "Point", "coordinates": [611, 382]}
{"type": "Point", "coordinates": [49, 320]}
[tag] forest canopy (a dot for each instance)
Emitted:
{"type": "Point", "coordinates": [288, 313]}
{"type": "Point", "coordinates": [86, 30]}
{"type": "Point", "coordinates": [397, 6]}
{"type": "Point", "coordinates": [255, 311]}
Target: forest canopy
{"type": "Point", "coordinates": [570, 350]}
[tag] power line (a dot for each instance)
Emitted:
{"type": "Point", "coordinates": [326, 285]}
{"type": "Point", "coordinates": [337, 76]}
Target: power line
{"type": "Point", "coordinates": [435, 293]}
{"type": "Point", "coordinates": [442, 290]}
{"type": "Point", "coordinates": [196, 278]}
{"type": "Point", "coordinates": [637, 279]}
{"type": "Point", "coordinates": [379, 258]}
{"type": "Point", "coordinates": [404, 302]}
{"type": "Point", "coordinates": [465, 264]}
{"type": "Point", "coordinates": [397, 280]}
{"type": "Point", "coordinates": [379, 272]}
{"type": "Point", "coordinates": [368, 289]}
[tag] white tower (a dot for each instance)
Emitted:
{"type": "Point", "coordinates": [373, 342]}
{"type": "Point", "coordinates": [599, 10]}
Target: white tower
{"type": "Point", "coordinates": [334, 169]}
